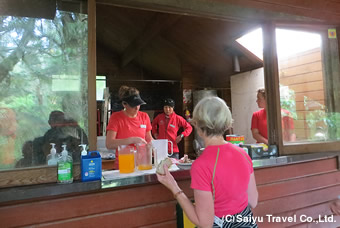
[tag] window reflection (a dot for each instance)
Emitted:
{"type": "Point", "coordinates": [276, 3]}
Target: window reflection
{"type": "Point", "coordinates": [306, 90]}
{"type": "Point", "coordinates": [43, 68]}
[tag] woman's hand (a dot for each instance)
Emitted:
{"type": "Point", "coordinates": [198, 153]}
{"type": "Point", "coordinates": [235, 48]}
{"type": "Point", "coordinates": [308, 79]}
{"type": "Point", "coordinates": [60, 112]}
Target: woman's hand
{"type": "Point", "coordinates": [168, 180]}
{"type": "Point", "coordinates": [178, 138]}
{"type": "Point", "coordinates": [335, 207]}
{"type": "Point", "coordinates": [136, 140]}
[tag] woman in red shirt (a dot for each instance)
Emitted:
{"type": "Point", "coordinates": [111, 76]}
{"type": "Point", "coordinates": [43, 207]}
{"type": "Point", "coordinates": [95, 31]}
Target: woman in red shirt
{"type": "Point", "coordinates": [222, 177]}
{"type": "Point", "coordinates": [259, 121]}
{"type": "Point", "coordinates": [129, 126]}
{"type": "Point", "coordinates": [167, 124]}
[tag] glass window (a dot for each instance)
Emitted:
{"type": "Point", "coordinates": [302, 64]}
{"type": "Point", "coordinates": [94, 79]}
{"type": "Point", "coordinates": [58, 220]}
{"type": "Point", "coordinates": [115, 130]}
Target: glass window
{"type": "Point", "coordinates": [43, 87]}
{"type": "Point", "coordinates": [253, 42]}
{"type": "Point", "coordinates": [308, 69]}
{"type": "Point", "coordinates": [100, 86]}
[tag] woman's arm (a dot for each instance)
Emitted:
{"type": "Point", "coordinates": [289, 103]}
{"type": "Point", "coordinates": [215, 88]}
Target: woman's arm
{"type": "Point", "coordinates": [187, 127]}
{"type": "Point", "coordinates": [258, 137]}
{"type": "Point", "coordinates": [113, 143]}
{"type": "Point", "coordinates": [154, 125]}
{"type": "Point", "coordinates": [252, 192]}
{"type": "Point", "coordinates": [202, 214]}
{"type": "Point", "coordinates": [148, 136]}
{"type": "Point", "coordinates": [335, 207]}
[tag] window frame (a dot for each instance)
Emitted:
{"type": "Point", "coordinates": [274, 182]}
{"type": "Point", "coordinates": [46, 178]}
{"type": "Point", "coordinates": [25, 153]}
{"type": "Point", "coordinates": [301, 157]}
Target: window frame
{"type": "Point", "coordinates": [272, 87]}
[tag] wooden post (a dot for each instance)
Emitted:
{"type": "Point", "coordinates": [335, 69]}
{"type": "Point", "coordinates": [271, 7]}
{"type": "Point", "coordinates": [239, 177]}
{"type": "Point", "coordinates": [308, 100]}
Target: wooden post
{"type": "Point", "coordinates": [271, 81]}
{"type": "Point", "coordinates": [92, 106]}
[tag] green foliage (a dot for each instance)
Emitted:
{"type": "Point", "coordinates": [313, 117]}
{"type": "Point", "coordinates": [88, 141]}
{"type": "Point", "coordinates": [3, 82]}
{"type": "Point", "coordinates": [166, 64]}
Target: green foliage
{"type": "Point", "coordinates": [288, 103]}
{"type": "Point", "coordinates": [31, 52]}
{"type": "Point", "coordinates": [320, 119]}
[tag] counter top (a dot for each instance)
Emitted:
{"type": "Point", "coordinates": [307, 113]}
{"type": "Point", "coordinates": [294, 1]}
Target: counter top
{"type": "Point", "coordinates": [183, 174]}
{"type": "Point", "coordinates": [10, 195]}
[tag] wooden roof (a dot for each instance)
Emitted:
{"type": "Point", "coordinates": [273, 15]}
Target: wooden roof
{"type": "Point", "coordinates": [159, 43]}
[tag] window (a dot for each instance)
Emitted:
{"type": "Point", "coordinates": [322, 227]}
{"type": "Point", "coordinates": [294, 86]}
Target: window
{"type": "Point", "coordinates": [253, 42]}
{"type": "Point", "coordinates": [43, 87]}
{"type": "Point", "coordinates": [307, 66]}
{"type": "Point", "coordinates": [308, 69]}
{"type": "Point", "coordinates": [100, 86]}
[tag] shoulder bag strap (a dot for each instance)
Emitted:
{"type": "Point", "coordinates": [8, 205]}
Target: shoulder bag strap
{"type": "Point", "coordinates": [212, 181]}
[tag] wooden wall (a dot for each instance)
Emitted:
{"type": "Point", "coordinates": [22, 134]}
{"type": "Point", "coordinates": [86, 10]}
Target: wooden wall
{"type": "Point", "coordinates": [300, 189]}
{"type": "Point", "coordinates": [297, 189]}
{"type": "Point", "coordinates": [303, 74]}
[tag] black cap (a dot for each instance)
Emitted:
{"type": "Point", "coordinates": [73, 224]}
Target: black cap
{"type": "Point", "coordinates": [134, 100]}
{"type": "Point", "coordinates": [169, 102]}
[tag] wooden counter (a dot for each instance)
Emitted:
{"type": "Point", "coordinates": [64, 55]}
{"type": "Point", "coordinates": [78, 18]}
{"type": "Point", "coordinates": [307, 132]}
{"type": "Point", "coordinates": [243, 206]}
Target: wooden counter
{"type": "Point", "coordinates": [297, 188]}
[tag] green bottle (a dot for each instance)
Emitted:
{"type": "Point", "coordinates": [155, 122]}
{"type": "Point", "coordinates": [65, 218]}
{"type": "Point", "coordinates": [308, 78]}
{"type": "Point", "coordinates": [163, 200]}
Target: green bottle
{"type": "Point", "coordinates": [65, 167]}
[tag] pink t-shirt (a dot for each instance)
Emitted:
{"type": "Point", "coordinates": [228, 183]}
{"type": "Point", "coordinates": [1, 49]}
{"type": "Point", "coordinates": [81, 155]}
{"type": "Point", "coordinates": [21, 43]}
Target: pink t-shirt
{"type": "Point", "coordinates": [259, 121]}
{"type": "Point", "coordinates": [232, 175]}
{"type": "Point", "coordinates": [128, 127]}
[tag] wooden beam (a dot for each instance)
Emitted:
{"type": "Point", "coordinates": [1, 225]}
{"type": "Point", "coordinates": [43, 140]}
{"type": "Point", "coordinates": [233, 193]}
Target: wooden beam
{"type": "Point", "coordinates": [237, 49]}
{"type": "Point", "coordinates": [158, 23]}
{"type": "Point", "coordinates": [22, 8]}
{"type": "Point", "coordinates": [271, 81]}
{"type": "Point", "coordinates": [92, 73]}
{"type": "Point", "coordinates": [326, 10]}
{"type": "Point", "coordinates": [211, 9]}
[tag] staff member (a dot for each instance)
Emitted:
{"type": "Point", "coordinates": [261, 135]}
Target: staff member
{"type": "Point", "coordinates": [167, 124]}
{"type": "Point", "coordinates": [129, 126]}
{"type": "Point", "coordinates": [259, 121]}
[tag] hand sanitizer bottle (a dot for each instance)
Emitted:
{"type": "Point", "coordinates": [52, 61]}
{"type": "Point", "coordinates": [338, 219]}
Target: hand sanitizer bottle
{"type": "Point", "coordinates": [83, 152]}
{"type": "Point", "coordinates": [52, 158]}
{"type": "Point", "coordinates": [65, 167]}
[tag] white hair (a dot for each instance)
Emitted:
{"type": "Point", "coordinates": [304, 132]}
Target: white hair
{"type": "Point", "coordinates": [212, 116]}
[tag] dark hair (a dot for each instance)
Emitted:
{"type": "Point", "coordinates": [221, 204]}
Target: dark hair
{"type": "Point", "coordinates": [126, 91]}
{"type": "Point", "coordinates": [56, 118]}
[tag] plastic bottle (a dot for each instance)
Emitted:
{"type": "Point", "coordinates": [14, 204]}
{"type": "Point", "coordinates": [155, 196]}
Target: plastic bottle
{"type": "Point", "coordinates": [83, 152]}
{"type": "Point", "coordinates": [65, 167]}
{"type": "Point", "coordinates": [52, 158]}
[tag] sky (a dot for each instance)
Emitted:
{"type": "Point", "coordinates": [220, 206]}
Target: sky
{"type": "Point", "coordinates": [289, 42]}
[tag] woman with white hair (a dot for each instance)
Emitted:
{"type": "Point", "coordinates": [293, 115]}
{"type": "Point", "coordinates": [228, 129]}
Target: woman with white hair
{"type": "Point", "coordinates": [222, 177]}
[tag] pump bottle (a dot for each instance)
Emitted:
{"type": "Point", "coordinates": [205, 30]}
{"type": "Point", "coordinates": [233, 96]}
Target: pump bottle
{"type": "Point", "coordinates": [65, 167]}
{"type": "Point", "coordinates": [83, 152]}
{"type": "Point", "coordinates": [52, 158]}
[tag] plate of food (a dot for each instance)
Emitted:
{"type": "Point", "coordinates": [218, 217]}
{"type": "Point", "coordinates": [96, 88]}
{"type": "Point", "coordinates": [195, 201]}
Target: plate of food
{"type": "Point", "coordinates": [185, 162]}
{"type": "Point", "coordinates": [184, 165]}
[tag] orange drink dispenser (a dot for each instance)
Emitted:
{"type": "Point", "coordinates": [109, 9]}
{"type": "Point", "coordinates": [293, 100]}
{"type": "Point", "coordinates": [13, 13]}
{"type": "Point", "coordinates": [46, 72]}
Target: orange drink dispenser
{"type": "Point", "coordinates": [144, 156]}
{"type": "Point", "coordinates": [126, 157]}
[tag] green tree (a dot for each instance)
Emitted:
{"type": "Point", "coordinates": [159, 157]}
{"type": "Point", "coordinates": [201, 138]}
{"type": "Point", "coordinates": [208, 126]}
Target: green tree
{"type": "Point", "coordinates": [32, 51]}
